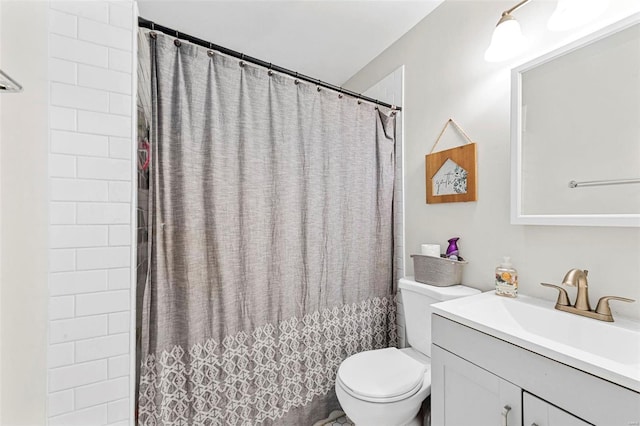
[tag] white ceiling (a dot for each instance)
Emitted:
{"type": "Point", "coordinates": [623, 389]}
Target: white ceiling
{"type": "Point", "coordinates": [328, 40]}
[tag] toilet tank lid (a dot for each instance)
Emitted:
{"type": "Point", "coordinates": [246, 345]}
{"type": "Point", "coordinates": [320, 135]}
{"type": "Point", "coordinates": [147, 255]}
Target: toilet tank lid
{"type": "Point", "coordinates": [434, 292]}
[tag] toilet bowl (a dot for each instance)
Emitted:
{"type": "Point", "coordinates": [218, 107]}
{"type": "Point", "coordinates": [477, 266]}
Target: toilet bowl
{"type": "Point", "coordinates": [393, 397]}
{"type": "Point", "coordinates": [386, 387]}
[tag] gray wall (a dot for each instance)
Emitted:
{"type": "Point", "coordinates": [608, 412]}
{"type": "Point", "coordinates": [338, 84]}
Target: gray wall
{"type": "Point", "coordinates": [446, 76]}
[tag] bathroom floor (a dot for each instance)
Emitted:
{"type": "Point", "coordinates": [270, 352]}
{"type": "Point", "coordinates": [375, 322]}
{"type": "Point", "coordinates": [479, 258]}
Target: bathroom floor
{"type": "Point", "coordinates": [336, 418]}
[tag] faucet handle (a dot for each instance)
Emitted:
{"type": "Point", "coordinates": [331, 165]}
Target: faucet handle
{"type": "Point", "coordinates": [603, 304]}
{"type": "Point", "coordinates": [563, 297]}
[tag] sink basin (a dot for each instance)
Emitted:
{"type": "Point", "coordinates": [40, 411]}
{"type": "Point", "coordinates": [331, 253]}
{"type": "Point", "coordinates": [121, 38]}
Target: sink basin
{"type": "Point", "coordinates": [607, 350]}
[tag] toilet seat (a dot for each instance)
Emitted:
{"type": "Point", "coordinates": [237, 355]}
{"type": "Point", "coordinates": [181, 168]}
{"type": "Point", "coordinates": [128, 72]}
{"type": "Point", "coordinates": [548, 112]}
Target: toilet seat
{"type": "Point", "coordinates": [382, 375]}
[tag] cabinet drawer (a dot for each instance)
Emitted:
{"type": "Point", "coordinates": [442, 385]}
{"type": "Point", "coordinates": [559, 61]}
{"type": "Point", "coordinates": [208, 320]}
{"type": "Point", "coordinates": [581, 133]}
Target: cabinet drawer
{"type": "Point", "coordinates": [537, 412]}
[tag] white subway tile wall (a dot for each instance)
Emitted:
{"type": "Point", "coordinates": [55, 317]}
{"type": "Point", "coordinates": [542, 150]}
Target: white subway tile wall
{"type": "Point", "coordinates": [90, 177]}
{"type": "Point", "coordinates": [63, 71]}
{"type": "Point", "coordinates": [119, 322]}
{"type": "Point", "coordinates": [96, 415]}
{"type": "Point", "coordinates": [118, 410]}
{"type": "Point", "coordinates": [76, 375]}
{"type": "Point", "coordinates": [67, 95]}
{"type": "Point", "coordinates": [72, 142]}
{"type": "Point", "coordinates": [119, 191]}
{"type": "Point", "coordinates": [61, 260]}
{"type": "Point", "coordinates": [108, 213]}
{"type": "Point", "coordinates": [61, 307]}
{"type": "Point", "coordinates": [62, 166]}
{"type": "Point", "coordinates": [79, 190]}
{"type": "Point", "coordinates": [60, 355]}
{"type": "Point", "coordinates": [119, 366]}
{"type": "Point", "coordinates": [70, 330]}
{"type": "Point", "coordinates": [60, 402]}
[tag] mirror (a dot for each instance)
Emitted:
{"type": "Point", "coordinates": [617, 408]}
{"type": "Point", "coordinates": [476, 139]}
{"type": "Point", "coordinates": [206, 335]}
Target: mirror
{"type": "Point", "coordinates": [575, 132]}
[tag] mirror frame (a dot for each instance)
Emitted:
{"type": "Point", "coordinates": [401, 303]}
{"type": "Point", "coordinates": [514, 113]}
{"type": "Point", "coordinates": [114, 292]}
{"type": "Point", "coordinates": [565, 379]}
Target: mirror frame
{"type": "Point", "coordinates": [517, 216]}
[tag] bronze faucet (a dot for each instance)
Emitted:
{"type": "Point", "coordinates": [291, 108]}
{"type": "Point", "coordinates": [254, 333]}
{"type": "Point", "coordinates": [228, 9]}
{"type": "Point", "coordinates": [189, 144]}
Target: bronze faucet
{"type": "Point", "coordinates": [578, 278]}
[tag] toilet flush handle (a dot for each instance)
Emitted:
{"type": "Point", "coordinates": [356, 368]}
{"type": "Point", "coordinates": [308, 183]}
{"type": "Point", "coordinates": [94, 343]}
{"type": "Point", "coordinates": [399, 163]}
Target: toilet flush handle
{"type": "Point", "coordinates": [505, 413]}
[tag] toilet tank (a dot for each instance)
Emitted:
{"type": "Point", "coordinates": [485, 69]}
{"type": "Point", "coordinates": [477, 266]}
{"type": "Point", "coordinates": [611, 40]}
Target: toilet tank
{"type": "Point", "coordinates": [417, 299]}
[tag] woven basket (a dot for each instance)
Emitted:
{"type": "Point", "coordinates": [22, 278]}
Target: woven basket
{"type": "Point", "coordinates": [437, 270]}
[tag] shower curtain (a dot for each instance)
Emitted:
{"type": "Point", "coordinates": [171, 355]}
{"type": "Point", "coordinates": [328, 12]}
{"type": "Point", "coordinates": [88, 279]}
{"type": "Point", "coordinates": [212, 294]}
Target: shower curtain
{"type": "Point", "coordinates": [270, 247]}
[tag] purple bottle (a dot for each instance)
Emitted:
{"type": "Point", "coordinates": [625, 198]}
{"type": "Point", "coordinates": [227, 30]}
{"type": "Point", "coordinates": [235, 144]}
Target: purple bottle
{"type": "Point", "coordinates": [452, 251]}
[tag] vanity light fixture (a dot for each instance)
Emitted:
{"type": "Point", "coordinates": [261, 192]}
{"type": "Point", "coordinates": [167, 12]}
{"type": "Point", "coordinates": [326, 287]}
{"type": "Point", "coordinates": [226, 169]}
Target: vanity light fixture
{"type": "Point", "coordinates": [507, 40]}
{"type": "Point", "coordinates": [7, 84]}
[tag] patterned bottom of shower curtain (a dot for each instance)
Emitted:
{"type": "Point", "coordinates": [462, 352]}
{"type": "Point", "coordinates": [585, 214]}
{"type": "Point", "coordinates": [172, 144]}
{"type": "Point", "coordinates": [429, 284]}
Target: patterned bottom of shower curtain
{"type": "Point", "coordinates": [264, 375]}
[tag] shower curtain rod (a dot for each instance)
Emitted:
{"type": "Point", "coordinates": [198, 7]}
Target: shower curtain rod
{"type": "Point", "coordinates": [145, 23]}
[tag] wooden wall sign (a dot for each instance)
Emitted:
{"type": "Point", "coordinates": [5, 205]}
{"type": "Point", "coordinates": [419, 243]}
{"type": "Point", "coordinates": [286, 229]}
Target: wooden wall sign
{"type": "Point", "coordinates": [451, 175]}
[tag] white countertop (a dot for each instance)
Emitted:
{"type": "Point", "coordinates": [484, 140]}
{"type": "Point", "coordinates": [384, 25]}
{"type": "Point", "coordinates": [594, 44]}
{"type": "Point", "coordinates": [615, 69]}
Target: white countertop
{"type": "Point", "coordinates": [607, 350]}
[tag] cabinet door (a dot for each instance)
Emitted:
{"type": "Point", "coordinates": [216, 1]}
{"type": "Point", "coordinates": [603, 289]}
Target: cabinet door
{"type": "Point", "coordinates": [463, 394]}
{"type": "Point", "coordinates": [540, 413]}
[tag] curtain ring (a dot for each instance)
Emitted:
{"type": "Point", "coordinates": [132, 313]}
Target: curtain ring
{"type": "Point", "coordinates": [270, 72]}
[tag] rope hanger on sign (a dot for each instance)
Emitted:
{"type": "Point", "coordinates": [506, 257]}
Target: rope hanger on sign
{"type": "Point", "coordinates": [457, 126]}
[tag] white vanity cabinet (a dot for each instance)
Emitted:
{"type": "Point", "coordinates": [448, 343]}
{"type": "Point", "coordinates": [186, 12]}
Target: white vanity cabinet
{"type": "Point", "coordinates": [466, 394]}
{"type": "Point", "coordinates": [474, 376]}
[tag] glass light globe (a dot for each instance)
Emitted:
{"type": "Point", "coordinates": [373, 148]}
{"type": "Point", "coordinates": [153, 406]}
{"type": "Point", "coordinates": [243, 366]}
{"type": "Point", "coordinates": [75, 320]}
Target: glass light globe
{"type": "Point", "coordinates": [507, 40]}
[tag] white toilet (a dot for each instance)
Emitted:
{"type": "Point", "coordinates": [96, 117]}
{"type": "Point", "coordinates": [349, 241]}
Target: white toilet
{"type": "Point", "coordinates": [386, 387]}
